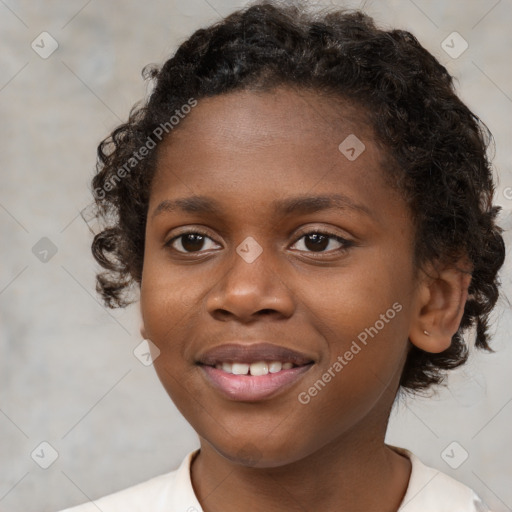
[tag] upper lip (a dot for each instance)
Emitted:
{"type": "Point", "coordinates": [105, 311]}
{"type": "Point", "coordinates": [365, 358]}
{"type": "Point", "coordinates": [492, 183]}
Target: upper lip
{"type": "Point", "coordinates": [244, 353]}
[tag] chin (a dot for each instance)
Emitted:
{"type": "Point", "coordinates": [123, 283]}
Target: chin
{"type": "Point", "coordinates": [257, 455]}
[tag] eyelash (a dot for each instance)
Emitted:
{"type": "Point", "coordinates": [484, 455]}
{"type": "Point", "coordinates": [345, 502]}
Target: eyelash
{"type": "Point", "coordinates": [345, 244]}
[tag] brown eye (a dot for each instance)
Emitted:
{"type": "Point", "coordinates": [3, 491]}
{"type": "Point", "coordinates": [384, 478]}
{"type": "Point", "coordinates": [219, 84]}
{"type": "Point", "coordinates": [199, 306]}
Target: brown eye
{"type": "Point", "coordinates": [190, 242]}
{"type": "Point", "coordinates": [317, 241]}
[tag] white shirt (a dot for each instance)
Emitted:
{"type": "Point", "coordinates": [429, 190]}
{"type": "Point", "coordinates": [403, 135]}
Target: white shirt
{"type": "Point", "coordinates": [429, 490]}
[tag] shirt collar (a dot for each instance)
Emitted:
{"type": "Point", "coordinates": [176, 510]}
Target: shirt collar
{"type": "Point", "coordinates": [184, 497]}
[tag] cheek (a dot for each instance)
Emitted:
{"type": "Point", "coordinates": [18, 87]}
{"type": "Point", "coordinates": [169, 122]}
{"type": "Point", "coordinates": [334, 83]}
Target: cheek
{"type": "Point", "coordinates": [169, 295]}
{"type": "Point", "coordinates": [370, 293]}
{"type": "Point", "coordinates": [168, 301]}
{"type": "Point", "coordinates": [362, 314]}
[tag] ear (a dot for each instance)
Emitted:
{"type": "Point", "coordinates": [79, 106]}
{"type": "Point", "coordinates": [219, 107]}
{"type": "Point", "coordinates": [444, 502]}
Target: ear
{"type": "Point", "coordinates": [438, 308]}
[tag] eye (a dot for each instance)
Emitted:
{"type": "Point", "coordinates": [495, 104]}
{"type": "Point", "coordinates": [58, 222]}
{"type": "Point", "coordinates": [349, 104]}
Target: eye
{"type": "Point", "coordinates": [189, 242]}
{"type": "Point", "coordinates": [321, 241]}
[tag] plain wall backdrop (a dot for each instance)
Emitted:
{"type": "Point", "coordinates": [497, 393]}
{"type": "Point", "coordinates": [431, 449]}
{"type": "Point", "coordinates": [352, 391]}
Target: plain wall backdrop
{"type": "Point", "coordinates": [68, 375]}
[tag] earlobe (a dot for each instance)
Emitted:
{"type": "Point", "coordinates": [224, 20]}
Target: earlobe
{"type": "Point", "coordinates": [439, 308]}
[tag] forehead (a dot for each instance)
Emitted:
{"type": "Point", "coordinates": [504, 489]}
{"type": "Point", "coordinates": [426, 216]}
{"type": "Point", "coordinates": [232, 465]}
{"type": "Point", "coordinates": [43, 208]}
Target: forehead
{"type": "Point", "coordinates": [264, 131]}
{"type": "Point", "coordinates": [277, 114]}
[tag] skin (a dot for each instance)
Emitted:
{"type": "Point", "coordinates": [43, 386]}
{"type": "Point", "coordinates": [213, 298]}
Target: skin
{"type": "Point", "coordinates": [246, 150]}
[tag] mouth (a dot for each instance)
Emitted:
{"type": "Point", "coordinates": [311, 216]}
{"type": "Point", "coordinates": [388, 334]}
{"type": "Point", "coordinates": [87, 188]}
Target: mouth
{"type": "Point", "coordinates": [253, 372]}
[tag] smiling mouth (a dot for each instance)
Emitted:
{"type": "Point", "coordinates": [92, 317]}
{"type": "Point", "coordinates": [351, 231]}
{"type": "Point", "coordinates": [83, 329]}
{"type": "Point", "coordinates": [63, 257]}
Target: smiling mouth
{"type": "Point", "coordinates": [253, 372]}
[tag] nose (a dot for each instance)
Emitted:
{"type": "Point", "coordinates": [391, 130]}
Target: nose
{"type": "Point", "coordinates": [250, 291]}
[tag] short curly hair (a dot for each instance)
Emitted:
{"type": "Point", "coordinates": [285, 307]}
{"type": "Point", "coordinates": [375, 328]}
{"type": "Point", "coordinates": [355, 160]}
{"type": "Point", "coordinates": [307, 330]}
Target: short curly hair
{"type": "Point", "coordinates": [435, 146]}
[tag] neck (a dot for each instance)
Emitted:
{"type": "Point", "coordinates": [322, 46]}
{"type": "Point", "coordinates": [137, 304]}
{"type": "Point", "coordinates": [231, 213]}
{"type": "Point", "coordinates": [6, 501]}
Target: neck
{"type": "Point", "coordinates": [351, 474]}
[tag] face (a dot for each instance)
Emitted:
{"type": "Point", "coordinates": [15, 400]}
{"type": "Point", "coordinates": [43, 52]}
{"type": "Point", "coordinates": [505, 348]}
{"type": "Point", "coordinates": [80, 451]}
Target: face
{"type": "Point", "coordinates": [277, 254]}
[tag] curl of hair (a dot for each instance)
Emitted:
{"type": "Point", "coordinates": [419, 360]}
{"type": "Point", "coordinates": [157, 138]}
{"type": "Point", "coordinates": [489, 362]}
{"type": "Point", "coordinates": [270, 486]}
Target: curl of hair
{"type": "Point", "coordinates": [436, 147]}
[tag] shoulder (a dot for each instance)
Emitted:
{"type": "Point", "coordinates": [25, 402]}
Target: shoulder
{"type": "Point", "coordinates": [431, 490]}
{"type": "Point", "coordinates": [169, 491]}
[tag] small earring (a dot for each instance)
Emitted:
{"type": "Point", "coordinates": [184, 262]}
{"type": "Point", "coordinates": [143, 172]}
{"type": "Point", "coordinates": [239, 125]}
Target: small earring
{"type": "Point", "coordinates": [426, 333]}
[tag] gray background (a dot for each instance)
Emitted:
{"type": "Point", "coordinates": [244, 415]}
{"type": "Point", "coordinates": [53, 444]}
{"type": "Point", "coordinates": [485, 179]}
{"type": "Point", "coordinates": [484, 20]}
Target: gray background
{"type": "Point", "coordinates": [68, 375]}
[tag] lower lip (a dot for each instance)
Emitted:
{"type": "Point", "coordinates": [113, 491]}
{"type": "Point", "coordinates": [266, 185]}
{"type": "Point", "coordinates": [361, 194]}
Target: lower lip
{"type": "Point", "coordinates": [249, 388]}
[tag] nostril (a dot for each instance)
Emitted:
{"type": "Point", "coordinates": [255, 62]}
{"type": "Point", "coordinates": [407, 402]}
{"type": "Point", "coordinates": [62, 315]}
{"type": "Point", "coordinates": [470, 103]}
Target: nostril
{"type": "Point", "coordinates": [266, 311]}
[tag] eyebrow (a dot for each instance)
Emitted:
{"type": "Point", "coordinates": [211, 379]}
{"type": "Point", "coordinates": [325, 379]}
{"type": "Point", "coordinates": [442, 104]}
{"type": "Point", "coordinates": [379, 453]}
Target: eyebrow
{"type": "Point", "coordinates": [298, 205]}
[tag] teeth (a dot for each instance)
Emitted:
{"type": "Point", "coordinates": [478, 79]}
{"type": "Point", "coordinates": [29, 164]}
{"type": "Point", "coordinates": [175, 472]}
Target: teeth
{"type": "Point", "coordinates": [259, 368]}
{"type": "Point", "coordinates": [240, 368]}
{"type": "Point", "coordinates": [275, 366]}
{"type": "Point", "coordinates": [256, 369]}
